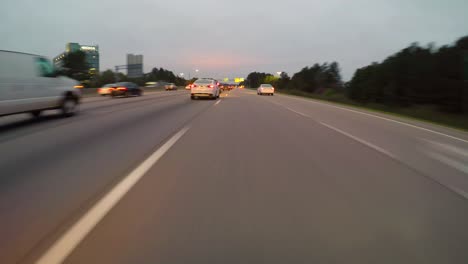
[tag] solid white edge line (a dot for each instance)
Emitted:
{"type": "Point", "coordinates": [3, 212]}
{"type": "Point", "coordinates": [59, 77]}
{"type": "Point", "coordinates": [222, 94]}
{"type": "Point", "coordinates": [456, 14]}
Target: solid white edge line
{"type": "Point", "coordinates": [370, 145]}
{"type": "Point", "coordinates": [219, 101]}
{"type": "Point", "coordinates": [380, 117]}
{"type": "Point", "coordinates": [62, 248]}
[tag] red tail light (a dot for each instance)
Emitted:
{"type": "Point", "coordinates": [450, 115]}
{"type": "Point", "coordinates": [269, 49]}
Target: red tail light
{"type": "Point", "coordinates": [193, 86]}
{"type": "Point", "coordinates": [122, 88]}
{"type": "Point", "coordinates": [210, 86]}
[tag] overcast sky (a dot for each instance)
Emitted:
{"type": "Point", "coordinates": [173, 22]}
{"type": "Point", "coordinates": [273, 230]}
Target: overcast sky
{"type": "Point", "coordinates": [229, 38]}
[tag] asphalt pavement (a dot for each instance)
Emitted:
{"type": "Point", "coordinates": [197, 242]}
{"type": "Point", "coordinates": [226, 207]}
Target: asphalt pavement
{"type": "Point", "coordinates": [242, 179]}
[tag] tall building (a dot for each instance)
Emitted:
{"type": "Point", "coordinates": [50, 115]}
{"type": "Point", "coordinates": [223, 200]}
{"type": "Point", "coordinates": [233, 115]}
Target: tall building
{"type": "Point", "coordinates": [134, 66]}
{"type": "Point", "coordinates": [91, 52]}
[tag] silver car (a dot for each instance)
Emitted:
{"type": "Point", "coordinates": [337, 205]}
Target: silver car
{"type": "Point", "coordinates": [265, 88]}
{"type": "Point", "coordinates": [205, 88]}
{"type": "Point", "coordinates": [30, 84]}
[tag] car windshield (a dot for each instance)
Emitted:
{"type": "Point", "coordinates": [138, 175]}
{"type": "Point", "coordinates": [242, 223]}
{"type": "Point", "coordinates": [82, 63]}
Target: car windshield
{"type": "Point", "coordinates": [234, 131]}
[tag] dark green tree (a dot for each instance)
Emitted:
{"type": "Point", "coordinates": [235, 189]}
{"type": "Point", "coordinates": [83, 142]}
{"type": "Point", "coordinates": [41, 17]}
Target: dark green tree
{"type": "Point", "coordinates": [415, 75]}
{"type": "Point", "coordinates": [107, 77]}
{"type": "Point", "coordinates": [76, 66]}
{"type": "Point", "coordinates": [254, 79]}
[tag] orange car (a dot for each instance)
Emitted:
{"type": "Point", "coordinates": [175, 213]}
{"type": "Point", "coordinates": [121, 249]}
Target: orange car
{"type": "Point", "coordinates": [106, 89]}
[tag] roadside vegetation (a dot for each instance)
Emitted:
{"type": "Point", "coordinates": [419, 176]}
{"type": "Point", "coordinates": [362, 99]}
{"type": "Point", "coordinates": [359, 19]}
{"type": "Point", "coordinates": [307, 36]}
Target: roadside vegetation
{"type": "Point", "coordinates": [75, 67]}
{"type": "Point", "coordinates": [426, 83]}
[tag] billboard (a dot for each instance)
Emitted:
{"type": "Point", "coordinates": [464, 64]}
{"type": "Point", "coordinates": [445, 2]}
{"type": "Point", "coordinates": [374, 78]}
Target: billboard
{"type": "Point", "coordinates": [134, 66]}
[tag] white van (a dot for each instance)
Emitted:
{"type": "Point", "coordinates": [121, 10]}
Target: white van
{"type": "Point", "coordinates": [30, 84]}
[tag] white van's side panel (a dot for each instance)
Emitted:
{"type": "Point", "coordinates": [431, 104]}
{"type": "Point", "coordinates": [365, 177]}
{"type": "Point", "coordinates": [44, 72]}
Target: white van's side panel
{"type": "Point", "coordinates": [23, 88]}
{"type": "Point", "coordinates": [17, 76]}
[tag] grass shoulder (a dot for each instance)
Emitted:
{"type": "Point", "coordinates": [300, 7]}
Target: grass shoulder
{"type": "Point", "coordinates": [426, 113]}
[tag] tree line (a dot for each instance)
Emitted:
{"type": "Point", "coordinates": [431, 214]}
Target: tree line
{"type": "Point", "coordinates": [415, 75]}
{"type": "Point", "coordinates": [156, 75]}
{"type": "Point", "coordinates": [75, 66]}
{"type": "Point", "coordinates": [313, 79]}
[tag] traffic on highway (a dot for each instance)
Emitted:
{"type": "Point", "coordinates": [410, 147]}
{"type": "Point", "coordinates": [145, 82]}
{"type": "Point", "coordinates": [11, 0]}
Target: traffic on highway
{"type": "Point", "coordinates": [197, 150]}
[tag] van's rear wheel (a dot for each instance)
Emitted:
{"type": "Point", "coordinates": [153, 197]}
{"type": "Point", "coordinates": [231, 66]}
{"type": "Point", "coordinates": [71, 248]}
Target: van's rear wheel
{"type": "Point", "coordinates": [36, 113]}
{"type": "Point", "coordinates": [69, 107]}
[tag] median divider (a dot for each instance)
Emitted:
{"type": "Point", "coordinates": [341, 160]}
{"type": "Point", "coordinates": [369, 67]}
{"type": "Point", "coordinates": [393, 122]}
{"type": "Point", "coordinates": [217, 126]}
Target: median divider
{"type": "Point", "coordinates": [92, 92]}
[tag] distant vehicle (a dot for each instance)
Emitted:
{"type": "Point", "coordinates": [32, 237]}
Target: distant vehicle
{"type": "Point", "coordinates": [266, 89]}
{"type": "Point", "coordinates": [241, 87]}
{"type": "Point", "coordinates": [170, 87]}
{"type": "Point", "coordinates": [205, 88]}
{"type": "Point", "coordinates": [106, 89]}
{"type": "Point", "coordinates": [31, 84]}
{"type": "Point", "coordinates": [151, 84]}
{"type": "Point", "coordinates": [126, 89]}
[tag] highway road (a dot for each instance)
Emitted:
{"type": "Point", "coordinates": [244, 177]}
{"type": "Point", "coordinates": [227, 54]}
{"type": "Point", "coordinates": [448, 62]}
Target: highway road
{"type": "Point", "coordinates": [243, 179]}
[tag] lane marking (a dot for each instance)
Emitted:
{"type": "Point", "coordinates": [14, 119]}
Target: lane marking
{"type": "Point", "coordinates": [447, 148]}
{"type": "Point", "coordinates": [217, 102]}
{"type": "Point", "coordinates": [95, 98]}
{"type": "Point", "coordinates": [297, 112]}
{"type": "Point", "coordinates": [370, 145]}
{"type": "Point", "coordinates": [383, 118]}
{"type": "Point", "coordinates": [62, 248]}
{"type": "Point", "coordinates": [450, 162]}
{"type": "Point", "coordinates": [437, 156]}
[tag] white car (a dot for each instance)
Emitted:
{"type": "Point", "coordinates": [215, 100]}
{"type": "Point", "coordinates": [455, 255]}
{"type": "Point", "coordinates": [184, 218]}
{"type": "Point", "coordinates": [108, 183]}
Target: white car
{"type": "Point", "coordinates": [205, 88]}
{"type": "Point", "coordinates": [170, 86]}
{"type": "Point", "coordinates": [30, 84]}
{"type": "Point", "coordinates": [266, 89]}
